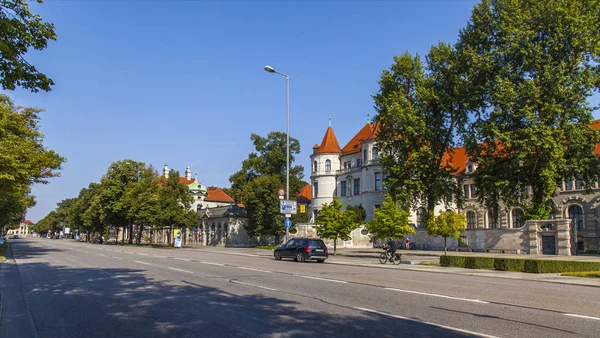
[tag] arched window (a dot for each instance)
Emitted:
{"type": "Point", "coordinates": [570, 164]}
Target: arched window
{"type": "Point", "coordinates": [492, 224]}
{"type": "Point", "coordinates": [517, 218]}
{"type": "Point", "coordinates": [315, 166]}
{"type": "Point", "coordinates": [471, 220]}
{"type": "Point", "coordinates": [328, 165]}
{"type": "Point", "coordinates": [374, 155]}
{"type": "Point", "coordinates": [365, 155]}
{"type": "Point", "coordinates": [421, 215]}
{"type": "Point", "coordinates": [576, 216]}
{"type": "Point", "coordinates": [212, 226]}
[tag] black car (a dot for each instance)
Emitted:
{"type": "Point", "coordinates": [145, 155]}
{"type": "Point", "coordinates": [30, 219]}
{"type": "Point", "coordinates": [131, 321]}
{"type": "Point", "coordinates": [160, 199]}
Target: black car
{"type": "Point", "coordinates": [303, 249]}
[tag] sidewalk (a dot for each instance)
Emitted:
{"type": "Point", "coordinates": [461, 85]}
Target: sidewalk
{"type": "Point", "coordinates": [410, 259]}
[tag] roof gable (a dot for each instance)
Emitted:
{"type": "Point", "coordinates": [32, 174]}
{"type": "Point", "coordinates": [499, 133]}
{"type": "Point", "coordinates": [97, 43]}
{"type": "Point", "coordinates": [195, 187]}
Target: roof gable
{"type": "Point", "coordinates": [329, 143]}
{"type": "Point", "coordinates": [305, 194]}
{"type": "Point", "coordinates": [354, 145]}
{"type": "Point", "coordinates": [217, 195]}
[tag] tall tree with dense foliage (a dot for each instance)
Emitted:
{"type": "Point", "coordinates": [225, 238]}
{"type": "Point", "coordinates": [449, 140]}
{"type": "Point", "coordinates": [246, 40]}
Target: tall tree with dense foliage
{"type": "Point", "coordinates": [389, 222]}
{"type": "Point", "coordinates": [174, 202]}
{"type": "Point", "coordinates": [447, 224]}
{"type": "Point", "coordinates": [112, 197]}
{"type": "Point", "coordinates": [24, 159]}
{"type": "Point", "coordinates": [335, 223]}
{"type": "Point", "coordinates": [531, 66]}
{"type": "Point", "coordinates": [142, 198]}
{"type": "Point", "coordinates": [262, 174]}
{"type": "Point", "coordinates": [21, 30]}
{"type": "Point", "coordinates": [420, 121]}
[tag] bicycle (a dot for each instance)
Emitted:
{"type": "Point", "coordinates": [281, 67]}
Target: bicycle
{"type": "Point", "coordinates": [385, 257]}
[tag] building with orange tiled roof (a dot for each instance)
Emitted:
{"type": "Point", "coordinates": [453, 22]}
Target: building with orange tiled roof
{"type": "Point", "coordinates": [355, 176]}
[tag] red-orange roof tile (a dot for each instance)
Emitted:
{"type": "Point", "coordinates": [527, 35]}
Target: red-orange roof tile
{"type": "Point", "coordinates": [329, 143]}
{"type": "Point", "coordinates": [28, 222]}
{"type": "Point", "coordinates": [305, 194]}
{"type": "Point", "coordinates": [457, 159]}
{"type": "Point", "coordinates": [354, 145]}
{"type": "Point", "coordinates": [185, 180]}
{"type": "Point", "coordinates": [216, 194]}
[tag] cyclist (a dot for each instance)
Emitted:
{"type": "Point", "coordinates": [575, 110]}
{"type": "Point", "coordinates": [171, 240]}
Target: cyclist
{"type": "Point", "coordinates": [391, 247]}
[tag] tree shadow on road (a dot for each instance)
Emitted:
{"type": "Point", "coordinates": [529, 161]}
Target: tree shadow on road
{"type": "Point", "coordinates": [68, 302]}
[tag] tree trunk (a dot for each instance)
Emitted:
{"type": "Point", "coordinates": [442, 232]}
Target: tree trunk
{"type": "Point", "coordinates": [445, 247]}
{"type": "Point", "coordinates": [140, 230]}
{"type": "Point", "coordinates": [170, 234]}
{"type": "Point", "coordinates": [130, 232]}
{"type": "Point", "coordinates": [116, 235]}
{"type": "Point", "coordinates": [334, 245]}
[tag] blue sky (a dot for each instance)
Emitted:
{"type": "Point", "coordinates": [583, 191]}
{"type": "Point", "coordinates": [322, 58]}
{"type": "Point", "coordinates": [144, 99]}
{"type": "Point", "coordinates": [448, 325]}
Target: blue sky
{"type": "Point", "coordinates": [182, 82]}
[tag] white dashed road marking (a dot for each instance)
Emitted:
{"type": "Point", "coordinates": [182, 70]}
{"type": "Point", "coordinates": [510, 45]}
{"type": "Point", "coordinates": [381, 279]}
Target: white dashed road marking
{"type": "Point", "coordinates": [141, 262]}
{"type": "Point", "coordinates": [441, 296]}
{"type": "Point", "coordinates": [181, 270]}
{"type": "Point", "coordinates": [324, 279]}
{"type": "Point", "coordinates": [211, 263]}
{"type": "Point", "coordinates": [424, 322]}
{"type": "Point", "coordinates": [256, 286]}
{"type": "Point", "coordinates": [581, 316]}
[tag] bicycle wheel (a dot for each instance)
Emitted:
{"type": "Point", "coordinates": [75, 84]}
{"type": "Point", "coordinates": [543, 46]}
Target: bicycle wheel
{"type": "Point", "coordinates": [383, 258]}
{"type": "Point", "coordinates": [397, 259]}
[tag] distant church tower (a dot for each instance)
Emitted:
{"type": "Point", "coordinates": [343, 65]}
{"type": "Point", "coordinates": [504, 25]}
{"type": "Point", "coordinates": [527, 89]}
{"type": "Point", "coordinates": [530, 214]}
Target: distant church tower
{"type": "Point", "coordinates": [325, 161]}
{"type": "Point", "coordinates": [188, 173]}
{"type": "Point", "coordinates": [166, 171]}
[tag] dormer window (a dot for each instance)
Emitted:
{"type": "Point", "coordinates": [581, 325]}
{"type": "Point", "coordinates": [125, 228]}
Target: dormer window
{"type": "Point", "coordinates": [469, 168]}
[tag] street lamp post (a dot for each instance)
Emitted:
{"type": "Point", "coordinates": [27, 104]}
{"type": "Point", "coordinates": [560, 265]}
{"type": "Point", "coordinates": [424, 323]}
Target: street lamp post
{"type": "Point", "coordinates": [287, 114]}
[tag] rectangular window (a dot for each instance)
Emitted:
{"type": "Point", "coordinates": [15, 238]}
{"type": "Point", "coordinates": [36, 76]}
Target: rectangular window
{"type": "Point", "coordinates": [358, 162]}
{"type": "Point", "coordinates": [467, 190]}
{"type": "Point", "coordinates": [375, 155]}
{"type": "Point", "coordinates": [474, 191]}
{"type": "Point", "coordinates": [316, 185]}
{"type": "Point", "coordinates": [385, 175]}
{"type": "Point", "coordinates": [569, 185]}
{"type": "Point", "coordinates": [356, 186]}
{"type": "Point", "coordinates": [377, 206]}
{"type": "Point", "coordinates": [345, 165]}
{"type": "Point", "coordinates": [349, 164]}
{"type": "Point", "coordinates": [365, 152]}
{"type": "Point", "coordinates": [343, 188]}
{"type": "Point", "coordinates": [377, 181]}
{"type": "Point", "coordinates": [578, 183]}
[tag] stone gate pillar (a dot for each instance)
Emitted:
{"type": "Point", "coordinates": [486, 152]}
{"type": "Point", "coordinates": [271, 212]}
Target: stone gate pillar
{"type": "Point", "coordinates": [533, 239]}
{"type": "Point", "coordinates": [563, 236]}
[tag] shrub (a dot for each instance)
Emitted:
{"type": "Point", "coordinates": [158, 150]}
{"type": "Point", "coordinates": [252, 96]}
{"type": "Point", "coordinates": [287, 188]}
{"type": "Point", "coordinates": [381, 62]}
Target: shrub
{"type": "Point", "coordinates": [479, 263]}
{"type": "Point", "coordinates": [589, 274]}
{"type": "Point", "coordinates": [509, 264]}
{"type": "Point", "coordinates": [548, 266]}
{"type": "Point", "coordinates": [456, 261]}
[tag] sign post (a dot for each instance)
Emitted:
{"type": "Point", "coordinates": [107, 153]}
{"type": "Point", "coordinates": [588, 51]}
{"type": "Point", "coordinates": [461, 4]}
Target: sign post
{"type": "Point", "coordinates": [287, 207]}
{"type": "Point", "coordinates": [281, 192]}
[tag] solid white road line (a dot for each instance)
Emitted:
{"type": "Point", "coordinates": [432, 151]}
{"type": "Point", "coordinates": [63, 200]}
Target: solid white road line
{"type": "Point", "coordinates": [324, 279]}
{"type": "Point", "coordinates": [116, 257]}
{"type": "Point", "coordinates": [251, 269]}
{"type": "Point", "coordinates": [581, 316]}
{"type": "Point", "coordinates": [210, 263]}
{"type": "Point", "coordinates": [441, 296]}
{"type": "Point", "coordinates": [181, 270]}
{"type": "Point", "coordinates": [427, 323]}
{"type": "Point", "coordinates": [256, 286]}
{"type": "Point", "coordinates": [141, 262]}
{"type": "Point", "coordinates": [182, 259]}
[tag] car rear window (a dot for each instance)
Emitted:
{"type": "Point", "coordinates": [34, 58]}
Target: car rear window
{"type": "Point", "coordinates": [316, 244]}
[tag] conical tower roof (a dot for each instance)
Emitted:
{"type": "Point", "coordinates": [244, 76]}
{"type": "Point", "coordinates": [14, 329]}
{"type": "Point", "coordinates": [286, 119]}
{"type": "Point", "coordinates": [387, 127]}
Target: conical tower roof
{"type": "Point", "coordinates": [329, 143]}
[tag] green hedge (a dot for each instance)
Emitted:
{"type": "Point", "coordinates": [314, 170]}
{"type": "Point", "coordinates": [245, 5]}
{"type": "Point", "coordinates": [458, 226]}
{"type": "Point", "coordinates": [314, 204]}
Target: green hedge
{"type": "Point", "coordinates": [518, 265]}
{"type": "Point", "coordinates": [509, 264]}
{"type": "Point", "coordinates": [479, 263]}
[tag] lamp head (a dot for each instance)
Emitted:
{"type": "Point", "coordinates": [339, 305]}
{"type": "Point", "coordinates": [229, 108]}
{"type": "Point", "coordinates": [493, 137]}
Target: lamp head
{"type": "Point", "coordinates": [269, 69]}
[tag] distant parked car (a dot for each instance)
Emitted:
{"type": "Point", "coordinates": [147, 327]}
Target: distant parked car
{"type": "Point", "coordinates": [16, 237]}
{"type": "Point", "coordinates": [303, 249]}
{"type": "Point", "coordinates": [98, 240]}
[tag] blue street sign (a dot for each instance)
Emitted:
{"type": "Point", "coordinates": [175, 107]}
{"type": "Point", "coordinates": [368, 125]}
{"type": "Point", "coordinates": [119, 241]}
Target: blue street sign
{"type": "Point", "coordinates": [288, 222]}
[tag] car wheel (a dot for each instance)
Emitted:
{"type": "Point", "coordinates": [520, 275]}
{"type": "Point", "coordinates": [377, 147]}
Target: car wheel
{"type": "Point", "coordinates": [277, 256]}
{"type": "Point", "coordinates": [300, 257]}
{"type": "Point", "coordinates": [320, 261]}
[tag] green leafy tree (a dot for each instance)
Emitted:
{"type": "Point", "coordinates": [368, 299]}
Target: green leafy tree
{"type": "Point", "coordinates": [112, 198]}
{"type": "Point", "coordinates": [447, 224]}
{"type": "Point", "coordinates": [531, 67]}
{"type": "Point", "coordinates": [262, 174]}
{"type": "Point", "coordinates": [20, 30]}
{"type": "Point", "coordinates": [334, 223]}
{"type": "Point", "coordinates": [143, 200]}
{"type": "Point", "coordinates": [23, 157]}
{"type": "Point", "coordinates": [13, 208]}
{"type": "Point", "coordinates": [359, 212]}
{"type": "Point", "coordinates": [419, 122]}
{"type": "Point", "coordinates": [389, 222]}
{"type": "Point", "coordinates": [174, 201]}
{"type": "Point", "coordinates": [86, 212]}
{"type": "Point", "coordinates": [269, 159]}
{"type": "Point", "coordinates": [262, 204]}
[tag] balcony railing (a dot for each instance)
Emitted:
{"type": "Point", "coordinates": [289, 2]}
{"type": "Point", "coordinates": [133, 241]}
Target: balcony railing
{"type": "Point", "coordinates": [348, 170]}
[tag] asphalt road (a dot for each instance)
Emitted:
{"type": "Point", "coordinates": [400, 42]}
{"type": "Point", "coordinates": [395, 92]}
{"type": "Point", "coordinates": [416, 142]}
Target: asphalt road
{"type": "Point", "coordinates": [64, 289]}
